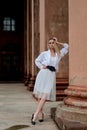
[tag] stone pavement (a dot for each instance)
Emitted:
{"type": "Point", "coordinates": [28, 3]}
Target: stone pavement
{"type": "Point", "coordinates": [17, 106]}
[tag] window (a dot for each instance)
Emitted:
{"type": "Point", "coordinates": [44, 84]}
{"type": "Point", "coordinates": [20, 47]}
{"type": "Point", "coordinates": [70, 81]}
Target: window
{"type": "Point", "coordinates": [8, 24]}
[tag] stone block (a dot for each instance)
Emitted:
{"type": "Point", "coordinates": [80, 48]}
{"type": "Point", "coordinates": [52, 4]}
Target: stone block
{"type": "Point", "coordinates": [66, 124]}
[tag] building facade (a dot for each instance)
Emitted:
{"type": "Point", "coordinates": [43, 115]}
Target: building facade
{"type": "Point", "coordinates": [25, 28]}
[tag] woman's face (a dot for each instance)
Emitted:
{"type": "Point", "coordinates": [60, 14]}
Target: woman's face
{"type": "Point", "coordinates": [51, 44]}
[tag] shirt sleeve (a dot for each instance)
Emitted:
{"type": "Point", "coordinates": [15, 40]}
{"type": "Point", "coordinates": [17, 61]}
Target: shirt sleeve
{"type": "Point", "coordinates": [65, 49]}
{"type": "Point", "coordinates": [39, 60]}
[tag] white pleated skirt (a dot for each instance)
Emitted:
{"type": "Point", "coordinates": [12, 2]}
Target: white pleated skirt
{"type": "Point", "coordinates": [45, 85]}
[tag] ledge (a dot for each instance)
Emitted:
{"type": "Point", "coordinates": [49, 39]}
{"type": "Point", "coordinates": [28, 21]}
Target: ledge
{"type": "Point", "coordinates": [66, 124]}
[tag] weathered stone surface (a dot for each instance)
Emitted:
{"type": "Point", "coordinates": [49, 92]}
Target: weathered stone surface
{"type": "Point", "coordinates": [56, 18]}
{"type": "Point", "coordinates": [64, 124]}
{"type": "Point", "coordinates": [76, 96]}
{"type": "Point", "coordinates": [71, 113]}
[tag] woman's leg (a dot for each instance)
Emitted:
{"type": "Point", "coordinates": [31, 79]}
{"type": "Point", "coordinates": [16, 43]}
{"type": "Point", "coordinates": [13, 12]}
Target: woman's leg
{"type": "Point", "coordinates": [39, 108]}
{"type": "Point", "coordinates": [40, 114]}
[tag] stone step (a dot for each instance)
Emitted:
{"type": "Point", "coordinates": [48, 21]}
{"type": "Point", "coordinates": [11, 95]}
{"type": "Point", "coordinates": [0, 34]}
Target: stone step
{"type": "Point", "coordinates": [66, 124]}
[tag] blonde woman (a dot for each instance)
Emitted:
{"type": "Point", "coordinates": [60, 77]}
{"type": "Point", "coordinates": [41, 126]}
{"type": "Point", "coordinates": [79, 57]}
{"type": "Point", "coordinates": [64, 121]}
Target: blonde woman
{"type": "Point", "coordinates": [45, 84]}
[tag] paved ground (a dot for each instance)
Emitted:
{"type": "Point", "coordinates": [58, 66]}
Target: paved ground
{"type": "Point", "coordinates": [17, 106]}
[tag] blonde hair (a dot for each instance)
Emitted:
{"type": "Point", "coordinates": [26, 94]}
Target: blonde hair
{"type": "Point", "coordinates": [56, 46]}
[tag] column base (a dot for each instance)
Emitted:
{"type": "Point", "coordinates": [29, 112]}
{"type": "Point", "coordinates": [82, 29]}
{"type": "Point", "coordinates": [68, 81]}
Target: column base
{"type": "Point", "coordinates": [69, 118]}
{"type": "Point", "coordinates": [31, 83]}
{"type": "Point", "coordinates": [26, 80]}
{"type": "Point", "coordinates": [76, 96]}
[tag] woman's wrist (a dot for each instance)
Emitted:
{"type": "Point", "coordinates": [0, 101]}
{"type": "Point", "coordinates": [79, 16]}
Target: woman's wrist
{"type": "Point", "coordinates": [60, 43]}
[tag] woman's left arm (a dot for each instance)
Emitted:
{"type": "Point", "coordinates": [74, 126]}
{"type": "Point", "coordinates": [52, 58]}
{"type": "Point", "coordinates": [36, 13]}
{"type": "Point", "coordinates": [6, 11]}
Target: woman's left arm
{"type": "Point", "coordinates": [65, 49]}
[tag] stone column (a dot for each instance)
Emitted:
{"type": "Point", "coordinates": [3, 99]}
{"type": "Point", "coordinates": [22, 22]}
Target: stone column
{"type": "Point", "coordinates": [42, 25]}
{"type": "Point", "coordinates": [77, 90]}
{"type": "Point", "coordinates": [26, 41]}
{"type": "Point", "coordinates": [34, 41]}
{"type": "Point", "coordinates": [73, 111]}
{"type": "Point", "coordinates": [31, 78]}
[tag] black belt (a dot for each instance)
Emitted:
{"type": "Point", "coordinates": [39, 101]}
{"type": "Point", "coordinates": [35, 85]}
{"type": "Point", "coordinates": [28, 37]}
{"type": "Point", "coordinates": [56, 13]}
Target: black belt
{"type": "Point", "coordinates": [51, 68]}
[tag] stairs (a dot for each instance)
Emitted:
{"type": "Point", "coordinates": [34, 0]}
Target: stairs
{"type": "Point", "coordinates": [61, 85]}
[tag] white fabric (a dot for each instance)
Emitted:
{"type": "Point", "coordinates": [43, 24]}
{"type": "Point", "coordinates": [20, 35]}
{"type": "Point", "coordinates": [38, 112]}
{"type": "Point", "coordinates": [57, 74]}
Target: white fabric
{"type": "Point", "coordinates": [44, 58]}
{"type": "Point", "coordinates": [52, 61]}
{"type": "Point", "coordinates": [45, 85]}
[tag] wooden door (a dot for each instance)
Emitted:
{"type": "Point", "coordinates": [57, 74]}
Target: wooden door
{"type": "Point", "coordinates": [11, 40]}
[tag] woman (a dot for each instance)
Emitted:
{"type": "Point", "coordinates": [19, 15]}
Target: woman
{"type": "Point", "coordinates": [45, 84]}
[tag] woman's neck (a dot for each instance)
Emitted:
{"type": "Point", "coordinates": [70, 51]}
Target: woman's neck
{"type": "Point", "coordinates": [52, 51]}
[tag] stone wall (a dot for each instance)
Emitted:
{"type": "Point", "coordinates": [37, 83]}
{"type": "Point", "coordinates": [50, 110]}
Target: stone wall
{"type": "Point", "coordinates": [56, 19]}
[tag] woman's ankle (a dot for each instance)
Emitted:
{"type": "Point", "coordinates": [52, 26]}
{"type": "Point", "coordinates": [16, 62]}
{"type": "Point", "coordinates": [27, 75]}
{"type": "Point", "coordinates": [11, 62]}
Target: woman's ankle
{"type": "Point", "coordinates": [35, 116]}
{"type": "Point", "coordinates": [41, 115]}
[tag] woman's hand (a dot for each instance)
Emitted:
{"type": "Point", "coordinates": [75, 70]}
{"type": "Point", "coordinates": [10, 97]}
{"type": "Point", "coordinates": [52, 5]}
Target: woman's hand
{"type": "Point", "coordinates": [44, 67]}
{"type": "Point", "coordinates": [56, 41]}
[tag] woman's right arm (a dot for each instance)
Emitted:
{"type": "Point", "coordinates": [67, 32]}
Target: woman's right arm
{"type": "Point", "coordinates": [39, 60]}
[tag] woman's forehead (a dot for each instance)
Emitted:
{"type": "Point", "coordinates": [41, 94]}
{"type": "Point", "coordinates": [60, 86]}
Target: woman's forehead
{"type": "Point", "coordinates": [51, 40]}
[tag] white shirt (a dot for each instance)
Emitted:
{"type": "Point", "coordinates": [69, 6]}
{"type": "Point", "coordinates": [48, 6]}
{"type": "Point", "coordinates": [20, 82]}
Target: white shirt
{"type": "Point", "coordinates": [45, 58]}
